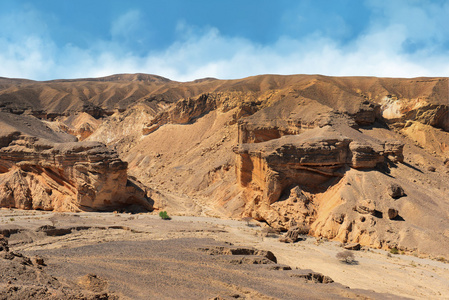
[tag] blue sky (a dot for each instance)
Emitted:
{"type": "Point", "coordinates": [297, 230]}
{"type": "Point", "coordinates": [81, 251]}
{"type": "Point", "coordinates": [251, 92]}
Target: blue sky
{"type": "Point", "coordinates": [186, 40]}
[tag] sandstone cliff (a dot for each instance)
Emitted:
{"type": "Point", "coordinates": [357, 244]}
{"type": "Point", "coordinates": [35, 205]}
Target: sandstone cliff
{"type": "Point", "coordinates": [37, 173]}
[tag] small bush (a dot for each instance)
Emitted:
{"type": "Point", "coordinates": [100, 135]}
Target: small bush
{"type": "Point", "coordinates": [164, 215]}
{"type": "Point", "coordinates": [346, 256]}
{"type": "Point", "coordinates": [394, 250]}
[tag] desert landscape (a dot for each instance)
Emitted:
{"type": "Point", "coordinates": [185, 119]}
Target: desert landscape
{"type": "Point", "coordinates": [276, 187]}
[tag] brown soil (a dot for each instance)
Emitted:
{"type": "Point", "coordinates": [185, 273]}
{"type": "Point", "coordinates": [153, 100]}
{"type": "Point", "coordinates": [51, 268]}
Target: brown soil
{"type": "Point", "coordinates": [142, 256]}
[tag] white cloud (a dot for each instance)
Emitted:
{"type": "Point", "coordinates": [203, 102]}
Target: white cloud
{"type": "Point", "coordinates": [126, 24]}
{"type": "Point", "coordinates": [205, 52]}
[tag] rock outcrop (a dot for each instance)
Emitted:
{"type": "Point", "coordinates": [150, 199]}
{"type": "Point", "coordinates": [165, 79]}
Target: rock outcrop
{"type": "Point", "coordinates": [308, 160]}
{"type": "Point", "coordinates": [188, 110]}
{"type": "Point", "coordinates": [41, 174]}
{"type": "Point", "coordinates": [395, 191]}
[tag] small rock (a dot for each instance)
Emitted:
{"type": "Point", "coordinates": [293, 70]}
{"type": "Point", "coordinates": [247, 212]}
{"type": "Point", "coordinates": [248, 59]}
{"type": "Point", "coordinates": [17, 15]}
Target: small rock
{"type": "Point", "coordinates": [92, 283]}
{"type": "Point", "coordinates": [392, 213]}
{"type": "Point", "coordinates": [431, 169]}
{"type": "Point", "coordinates": [279, 267]}
{"type": "Point", "coordinates": [366, 207]}
{"type": "Point", "coordinates": [314, 277]}
{"type": "Point", "coordinates": [293, 233]}
{"type": "Point", "coordinates": [338, 218]}
{"type": "Point", "coordinates": [352, 246]}
{"type": "Point", "coordinates": [3, 243]}
{"type": "Point", "coordinates": [39, 261]}
{"type": "Point", "coordinates": [395, 191]}
{"type": "Point", "coordinates": [284, 240]}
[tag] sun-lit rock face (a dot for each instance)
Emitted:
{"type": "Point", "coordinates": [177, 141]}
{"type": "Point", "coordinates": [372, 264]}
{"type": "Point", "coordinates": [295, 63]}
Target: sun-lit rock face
{"type": "Point", "coordinates": [39, 174]}
{"type": "Point", "coordinates": [308, 160]}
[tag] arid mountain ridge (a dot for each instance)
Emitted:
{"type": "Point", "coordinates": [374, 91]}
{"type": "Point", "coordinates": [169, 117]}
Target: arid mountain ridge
{"type": "Point", "coordinates": [325, 153]}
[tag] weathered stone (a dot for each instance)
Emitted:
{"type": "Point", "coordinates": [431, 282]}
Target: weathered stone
{"type": "Point", "coordinates": [364, 156]}
{"type": "Point", "coordinates": [39, 261]}
{"type": "Point", "coordinates": [312, 276]}
{"type": "Point", "coordinates": [392, 213]}
{"type": "Point", "coordinates": [366, 207]}
{"type": "Point", "coordinates": [352, 246]}
{"type": "Point", "coordinates": [293, 234]}
{"type": "Point", "coordinates": [338, 218]}
{"type": "Point", "coordinates": [395, 191]}
{"type": "Point", "coordinates": [3, 243]}
{"type": "Point", "coordinates": [394, 150]}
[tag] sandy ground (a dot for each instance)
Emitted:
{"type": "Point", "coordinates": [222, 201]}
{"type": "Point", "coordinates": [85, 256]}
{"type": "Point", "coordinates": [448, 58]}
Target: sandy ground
{"type": "Point", "coordinates": [375, 270]}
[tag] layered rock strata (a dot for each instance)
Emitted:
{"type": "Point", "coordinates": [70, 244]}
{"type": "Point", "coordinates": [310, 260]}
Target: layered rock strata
{"type": "Point", "coordinates": [309, 160]}
{"type": "Point", "coordinates": [39, 174]}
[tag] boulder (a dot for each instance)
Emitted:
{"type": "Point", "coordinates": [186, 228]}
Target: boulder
{"type": "Point", "coordinates": [293, 234]}
{"type": "Point", "coordinates": [39, 261]}
{"type": "Point", "coordinates": [352, 246]}
{"type": "Point", "coordinates": [3, 244]}
{"type": "Point", "coordinates": [395, 191]}
{"type": "Point", "coordinates": [392, 213]}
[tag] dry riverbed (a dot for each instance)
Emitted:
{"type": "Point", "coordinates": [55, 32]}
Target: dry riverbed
{"type": "Point", "coordinates": [140, 256]}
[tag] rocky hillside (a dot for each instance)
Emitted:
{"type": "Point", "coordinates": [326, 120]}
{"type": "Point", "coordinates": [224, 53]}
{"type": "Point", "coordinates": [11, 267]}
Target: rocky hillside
{"type": "Point", "coordinates": [355, 159]}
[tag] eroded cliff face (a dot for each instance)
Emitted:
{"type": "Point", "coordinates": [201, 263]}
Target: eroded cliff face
{"type": "Point", "coordinates": [71, 176]}
{"type": "Point", "coordinates": [311, 160]}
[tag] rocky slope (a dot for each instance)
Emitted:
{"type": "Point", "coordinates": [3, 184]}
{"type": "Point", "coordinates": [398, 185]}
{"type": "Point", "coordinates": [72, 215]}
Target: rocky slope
{"type": "Point", "coordinates": [322, 152]}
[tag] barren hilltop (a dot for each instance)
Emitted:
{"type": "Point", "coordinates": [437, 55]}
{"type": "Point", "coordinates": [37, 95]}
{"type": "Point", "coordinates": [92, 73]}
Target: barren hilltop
{"type": "Point", "coordinates": [359, 160]}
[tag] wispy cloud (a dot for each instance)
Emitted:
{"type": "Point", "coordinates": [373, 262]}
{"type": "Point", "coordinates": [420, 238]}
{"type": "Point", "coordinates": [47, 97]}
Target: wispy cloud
{"type": "Point", "coordinates": [126, 23]}
{"type": "Point", "coordinates": [403, 39]}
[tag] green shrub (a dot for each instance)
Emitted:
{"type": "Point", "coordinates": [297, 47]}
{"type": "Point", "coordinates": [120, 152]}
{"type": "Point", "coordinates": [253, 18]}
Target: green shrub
{"type": "Point", "coordinates": [164, 215]}
{"type": "Point", "coordinates": [394, 250]}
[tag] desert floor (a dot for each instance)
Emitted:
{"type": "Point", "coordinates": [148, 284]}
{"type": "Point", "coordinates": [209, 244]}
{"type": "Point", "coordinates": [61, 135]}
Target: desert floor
{"type": "Point", "coordinates": [141, 256]}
